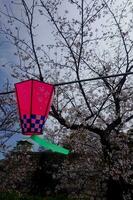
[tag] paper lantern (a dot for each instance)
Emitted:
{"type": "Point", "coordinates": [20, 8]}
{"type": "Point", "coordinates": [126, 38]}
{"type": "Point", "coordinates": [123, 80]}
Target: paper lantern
{"type": "Point", "coordinates": [34, 99]}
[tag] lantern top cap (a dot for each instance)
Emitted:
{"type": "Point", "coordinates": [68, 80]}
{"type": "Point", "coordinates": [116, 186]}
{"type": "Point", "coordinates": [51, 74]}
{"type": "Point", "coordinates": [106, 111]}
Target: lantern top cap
{"type": "Point", "coordinates": [35, 81]}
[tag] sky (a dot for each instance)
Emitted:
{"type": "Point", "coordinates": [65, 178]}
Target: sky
{"type": "Point", "coordinates": [6, 58]}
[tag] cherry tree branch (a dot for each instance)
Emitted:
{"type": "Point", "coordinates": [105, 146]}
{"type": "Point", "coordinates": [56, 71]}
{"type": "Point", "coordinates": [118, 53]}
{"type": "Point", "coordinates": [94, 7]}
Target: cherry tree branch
{"type": "Point", "coordinates": [29, 15]}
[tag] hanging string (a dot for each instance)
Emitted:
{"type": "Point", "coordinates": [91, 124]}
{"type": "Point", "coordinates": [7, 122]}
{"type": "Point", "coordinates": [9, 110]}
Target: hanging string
{"type": "Point", "coordinates": [93, 79]}
{"type": "Point", "coordinates": [82, 80]}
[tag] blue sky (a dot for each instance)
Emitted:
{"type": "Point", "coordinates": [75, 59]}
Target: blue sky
{"type": "Point", "coordinates": [6, 58]}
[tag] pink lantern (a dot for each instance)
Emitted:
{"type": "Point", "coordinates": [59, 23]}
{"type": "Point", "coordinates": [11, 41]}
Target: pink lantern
{"type": "Point", "coordinates": [34, 99]}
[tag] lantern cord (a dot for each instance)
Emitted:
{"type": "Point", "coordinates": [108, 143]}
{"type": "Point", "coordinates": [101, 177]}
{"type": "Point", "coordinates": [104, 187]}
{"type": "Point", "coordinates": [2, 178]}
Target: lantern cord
{"type": "Point", "coordinates": [93, 79]}
{"type": "Point", "coordinates": [82, 80]}
{"type": "Point", "coordinates": [9, 92]}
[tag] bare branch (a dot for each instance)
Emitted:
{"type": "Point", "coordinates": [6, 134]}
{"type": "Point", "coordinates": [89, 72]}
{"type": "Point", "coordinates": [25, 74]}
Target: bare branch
{"type": "Point", "coordinates": [29, 15]}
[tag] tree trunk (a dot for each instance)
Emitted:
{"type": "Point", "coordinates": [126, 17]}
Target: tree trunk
{"type": "Point", "coordinates": [114, 187]}
{"type": "Point", "coordinates": [119, 190]}
{"type": "Point", "coordinates": [115, 190]}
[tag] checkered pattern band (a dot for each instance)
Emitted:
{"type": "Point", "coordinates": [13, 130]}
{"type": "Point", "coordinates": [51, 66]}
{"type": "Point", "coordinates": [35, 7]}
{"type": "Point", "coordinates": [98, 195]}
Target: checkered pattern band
{"type": "Point", "coordinates": [32, 123]}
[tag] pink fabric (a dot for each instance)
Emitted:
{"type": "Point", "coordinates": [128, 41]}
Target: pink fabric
{"type": "Point", "coordinates": [33, 98]}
